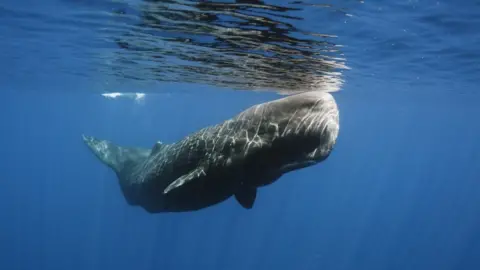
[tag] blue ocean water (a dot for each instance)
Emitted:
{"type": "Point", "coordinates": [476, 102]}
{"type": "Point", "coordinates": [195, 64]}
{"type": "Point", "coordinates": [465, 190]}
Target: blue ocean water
{"type": "Point", "coordinates": [400, 191]}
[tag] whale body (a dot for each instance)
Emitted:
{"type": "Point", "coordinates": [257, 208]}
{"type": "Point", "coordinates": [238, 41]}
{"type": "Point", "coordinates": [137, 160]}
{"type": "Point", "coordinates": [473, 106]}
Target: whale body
{"type": "Point", "coordinates": [233, 158]}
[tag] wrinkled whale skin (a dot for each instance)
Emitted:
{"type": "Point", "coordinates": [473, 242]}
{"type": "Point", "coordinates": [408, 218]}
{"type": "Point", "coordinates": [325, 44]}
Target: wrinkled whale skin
{"type": "Point", "coordinates": [250, 150]}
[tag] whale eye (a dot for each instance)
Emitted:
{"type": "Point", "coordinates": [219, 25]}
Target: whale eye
{"type": "Point", "coordinates": [272, 130]}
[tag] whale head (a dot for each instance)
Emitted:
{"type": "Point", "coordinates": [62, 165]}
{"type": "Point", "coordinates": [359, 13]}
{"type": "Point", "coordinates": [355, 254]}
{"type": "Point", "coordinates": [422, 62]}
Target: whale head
{"type": "Point", "coordinates": [291, 133]}
{"type": "Point", "coordinates": [308, 117]}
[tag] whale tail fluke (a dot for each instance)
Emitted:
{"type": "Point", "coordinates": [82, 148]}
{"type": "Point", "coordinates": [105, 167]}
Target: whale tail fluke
{"type": "Point", "coordinates": [106, 151]}
{"type": "Point", "coordinates": [114, 156]}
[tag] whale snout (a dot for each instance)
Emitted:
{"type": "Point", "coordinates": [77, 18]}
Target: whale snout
{"type": "Point", "coordinates": [326, 120]}
{"type": "Point", "coordinates": [324, 124]}
{"type": "Point", "coordinates": [312, 122]}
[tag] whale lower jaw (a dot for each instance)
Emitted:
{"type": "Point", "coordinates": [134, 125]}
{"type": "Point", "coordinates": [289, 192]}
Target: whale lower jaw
{"type": "Point", "coordinates": [297, 165]}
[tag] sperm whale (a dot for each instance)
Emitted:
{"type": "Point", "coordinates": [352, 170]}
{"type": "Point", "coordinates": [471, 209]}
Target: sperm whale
{"type": "Point", "coordinates": [233, 158]}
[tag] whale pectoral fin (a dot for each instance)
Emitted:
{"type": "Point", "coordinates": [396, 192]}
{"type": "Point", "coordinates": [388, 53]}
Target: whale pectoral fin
{"type": "Point", "coordinates": [184, 179]}
{"type": "Point", "coordinates": [246, 196]}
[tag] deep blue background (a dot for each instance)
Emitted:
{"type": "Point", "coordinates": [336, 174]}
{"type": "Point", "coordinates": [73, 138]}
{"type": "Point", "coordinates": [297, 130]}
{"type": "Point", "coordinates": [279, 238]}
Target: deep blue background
{"type": "Point", "coordinates": [400, 191]}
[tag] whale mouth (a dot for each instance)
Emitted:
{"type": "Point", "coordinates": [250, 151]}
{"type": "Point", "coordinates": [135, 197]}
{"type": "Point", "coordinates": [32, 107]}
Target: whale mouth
{"type": "Point", "coordinates": [297, 165]}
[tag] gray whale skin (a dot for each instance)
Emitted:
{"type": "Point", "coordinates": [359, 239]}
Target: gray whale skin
{"type": "Point", "coordinates": [233, 158]}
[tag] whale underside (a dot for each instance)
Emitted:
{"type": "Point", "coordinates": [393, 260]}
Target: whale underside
{"type": "Point", "coordinates": [233, 158]}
